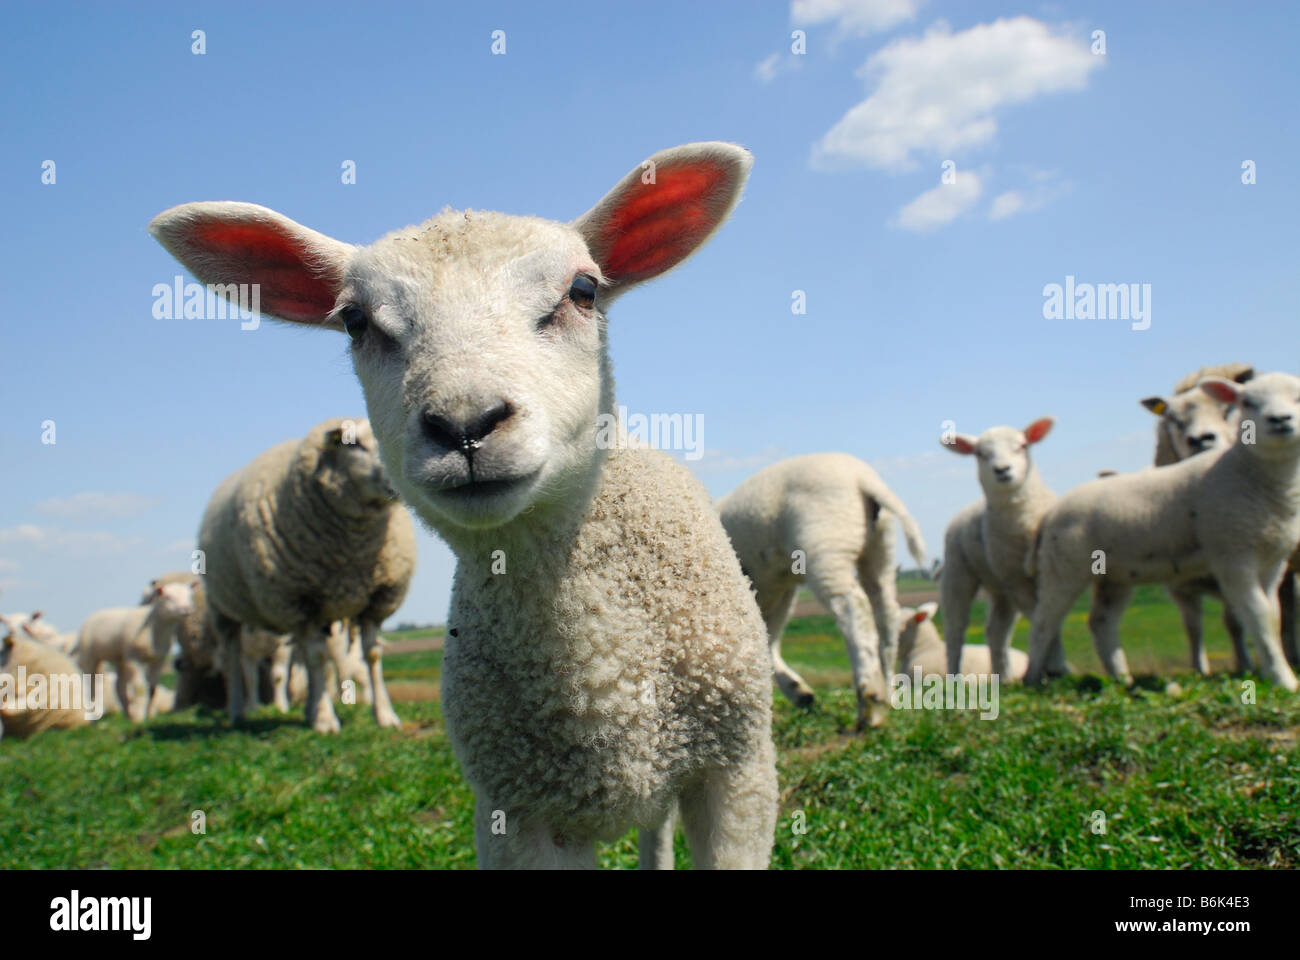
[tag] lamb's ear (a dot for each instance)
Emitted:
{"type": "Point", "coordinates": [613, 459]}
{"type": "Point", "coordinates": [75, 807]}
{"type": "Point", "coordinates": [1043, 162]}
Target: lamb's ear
{"type": "Point", "coordinates": [1245, 376]}
{"type": "Point", "coordinates": [36, 615]}
{"type": "Point", "coordinates": [1038, 429]}
{"type": "Point", "coordinates": [663, 211]}
{"type": "Point", "coordinates": [960, 443]}
{"type": "Point", "coordinates": [926, 611]}
{"type": "Point", "coordinates": [298, 272]}
{"type": "Point", "coordinates": [1156, 405]}
{"type": "Point", "coordinates": [1225, 391]}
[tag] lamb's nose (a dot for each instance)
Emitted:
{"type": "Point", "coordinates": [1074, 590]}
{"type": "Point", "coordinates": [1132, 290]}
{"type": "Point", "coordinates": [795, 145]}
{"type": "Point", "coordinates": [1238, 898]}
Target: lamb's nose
{"type": "Point", "coordinates": [1002, 472]}
{"type": "Point", "coordinates": [464, 435]}
{"type": "Point", "coordinates": [1279, 419]}
{"type": "Point", "coordinates": [1203, 441]}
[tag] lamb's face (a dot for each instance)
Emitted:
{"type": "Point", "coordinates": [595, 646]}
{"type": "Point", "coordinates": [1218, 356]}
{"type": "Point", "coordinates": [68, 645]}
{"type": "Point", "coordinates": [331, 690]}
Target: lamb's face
{"type": "Point", "coordinates": [1194, 422]}
{"type": "Point", "coordinates": [479, 342]}
{"type": "Point", "coordinates": [174, 601]}
{"type": "Point", "coordinates": [350, 465]}
{"type": "Point", "coordinates": [1002, 454]}
{"type": "Point", "coordinates": [1270, 411]}
{"type": "Point", "coordinates": [917, 631]}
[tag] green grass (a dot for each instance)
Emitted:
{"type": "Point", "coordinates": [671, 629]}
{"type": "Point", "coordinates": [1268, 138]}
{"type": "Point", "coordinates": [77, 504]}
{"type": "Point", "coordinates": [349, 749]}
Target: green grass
{"type": "Point", "coordinates": [1190, 778]}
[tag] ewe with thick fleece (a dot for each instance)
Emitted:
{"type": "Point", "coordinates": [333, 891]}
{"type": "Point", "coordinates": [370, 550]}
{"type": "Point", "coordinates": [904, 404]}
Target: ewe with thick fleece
{"type": "Point", "coordinates": [308, 533]}
{"type": "Point", "coordinates": [826, 519]}
{"type": "Point", "coordinates": [617, 664]}
{"type": "Point", "coordinates": [62, 678]}
{"type": "Point", "coordinates": [135, 641]}
{"type": "Point", "coordinates": [919, 645]}
{"type": "Point", "coordinates": [985, 545]}
{"type": "Point", "coordinates": [1231, 514]}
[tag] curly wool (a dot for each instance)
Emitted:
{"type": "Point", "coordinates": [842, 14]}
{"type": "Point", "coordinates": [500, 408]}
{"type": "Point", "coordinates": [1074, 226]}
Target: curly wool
{"type": "Point", "coordinates": [634, 660]}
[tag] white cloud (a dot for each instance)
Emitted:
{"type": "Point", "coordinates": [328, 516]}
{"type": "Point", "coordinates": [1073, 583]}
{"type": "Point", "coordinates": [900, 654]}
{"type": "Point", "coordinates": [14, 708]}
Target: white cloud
{"type": "Point", "coordinates": [73, 541]}
{"type": "Point", "coordinates": [96, 503]}
{"type": "Point", "coordinates": [722, 461]}
{"type": "Point", "coordinates": [941, 205]}
{"type": "Point", "coordinates": [1007, 205]}
{"type": "Point", "coordinates": [772, 66]}
{"type": "Point", "coordinates": [860, 17]}
{"type": "Point", "coordinates": [1042, 188]}
{"type": "Point", "coordinates": [938, 94]}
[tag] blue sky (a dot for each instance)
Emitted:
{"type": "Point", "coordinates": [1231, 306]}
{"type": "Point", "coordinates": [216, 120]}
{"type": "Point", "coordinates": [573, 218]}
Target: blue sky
{"type": "Point", "coordinates": [1115, 168]}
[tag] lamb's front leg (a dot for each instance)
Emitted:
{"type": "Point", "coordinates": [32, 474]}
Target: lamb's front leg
{"type": "Point", "coordinates": [374, 654]}
{"type": "Point", "coordinates": [1260, 612]}
{"type": "Point", "coordinates": [729, 814]}
{"type": "Point", "coordinates": [320, 705]}
{"type": "Point", "coordinates": [1109, 600]}
{"type": "Point", "coordinates": [504, 841]}
{"type": "Point", "coordinates": [655, 845]}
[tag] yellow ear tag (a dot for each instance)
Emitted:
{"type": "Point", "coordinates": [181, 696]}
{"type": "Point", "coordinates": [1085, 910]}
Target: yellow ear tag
{"type": "Point", "coordinates": [1159, 407]}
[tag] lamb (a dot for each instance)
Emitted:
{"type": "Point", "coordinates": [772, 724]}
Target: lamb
{"type": "Point", "coordinates": [198, 670]}
{"type": "Point", "coordinates": [308, 533]}
{"type": "Point", "coordinates": [35, 627]}
{"type": "Point", "coordinates": [826, 519]}
{"type": "Point", "coordinates": [604, 655]}
{"type": "Point", "coordinates": [986, 542]}
{"type": "Point", "coordinates": [23, 657]}
{"type": "Point", "coordinates": [1230, 514]}
{"type": "Point", "coordinates": [919, 645]}
{"type": "Point", "coordinates": [136, 642]}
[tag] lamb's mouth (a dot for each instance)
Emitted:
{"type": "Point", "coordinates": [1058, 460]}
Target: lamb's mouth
{"type": "Point", "coordinates": [470, 491]}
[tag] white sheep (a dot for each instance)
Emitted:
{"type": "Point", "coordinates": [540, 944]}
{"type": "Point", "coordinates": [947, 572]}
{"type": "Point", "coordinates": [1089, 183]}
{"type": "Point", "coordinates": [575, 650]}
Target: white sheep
{"type": "Point", "coordinates": [23, 657]}
{"type": "Point", "coordinates": [198, 668]}
{"type": "Point", "coordinates": [308, 533]}
{"type": "Point", "coordinates": [136, 642]}
{"type": "Point", "coordinates": [986, 542]}
{"type": "Point", "coordinates": [919, 645]}
{"type": "Point", "coordinates": [604, 655]}
{"type": "Point", "coordinates": [1230, 514]}
{"type": "Point", "coordinates": [826, 519]}
{"type": "Point", "coordinates": [35, 627]}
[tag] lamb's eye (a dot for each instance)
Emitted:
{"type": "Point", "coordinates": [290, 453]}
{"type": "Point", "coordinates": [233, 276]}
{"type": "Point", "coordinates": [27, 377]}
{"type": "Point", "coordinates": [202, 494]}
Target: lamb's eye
{"type": "Point", "coordinates": [354, 321]}
{"type": "Point", "coordinates": [583, 290]}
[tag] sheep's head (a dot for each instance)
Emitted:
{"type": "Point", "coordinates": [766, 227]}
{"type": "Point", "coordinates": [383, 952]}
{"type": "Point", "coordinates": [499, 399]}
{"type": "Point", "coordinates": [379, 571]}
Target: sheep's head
{"type": "Point", "coordinates": [1002, 454]}
{"type": "Point", "coordinates": [30, 625]}
{"type": "Point", "coordinates": [173, 601]}
{"type": "Point", "coordinates": [479, 338]}
{"type": "Point", "coordinates": [917, 630]}
{"type": "Point", "coordinates": [1193, 422]}
{"type": "Point", "coordinates": [1269, 406]}
{"type": "Point", "coordinates": [341, 457]}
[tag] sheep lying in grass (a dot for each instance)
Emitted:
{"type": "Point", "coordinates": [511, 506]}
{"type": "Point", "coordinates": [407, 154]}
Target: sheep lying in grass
{"type": "Point", "coordinates": [604, 656]}
{"type": "Point", "coordinates": [308, 533]}
{"type": "Point", "coordinates": [136, 642]}
{"type": "Point", "coordinates": [25, 658]}
{"type": "Point", "coordinates": [35, 627]}
{"type": "Point", "coordinates": [826, 519]}
{"type": "Point", "coordinates": [919, 645]}
{"type": "Point", "coordinates": [1191, 422]}
{"type": "Point", "coordinates": [1230, 514]}
{"type": "Point", "coordinates": [986, 543]}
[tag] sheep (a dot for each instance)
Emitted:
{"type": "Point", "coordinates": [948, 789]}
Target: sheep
{"type": "Point", "coordinates": [604, 655]}
{"type": "Point", "coordinates": [22, 658]}
{"type": "Point", "coordinates": [198, 669]}
{"type": "Point", "coordinates": [1229, 513]}
{"type": "Point", "coordinates": [136, 642]}
{"type": "Point", "coordinates": [35, 627]}
{"type": "Point", "coordinates": [919, 645]}
{"type": "Point", "coordinates": [826, 519]}
{"type": "Point", "coordinates": [308, 533]}
{"type": "Point", "coordinates": [1192, 421]}
{"type": "Point", "coordinates": [986, 542]}
{"type": "Point", "coordinates": [163, 701]}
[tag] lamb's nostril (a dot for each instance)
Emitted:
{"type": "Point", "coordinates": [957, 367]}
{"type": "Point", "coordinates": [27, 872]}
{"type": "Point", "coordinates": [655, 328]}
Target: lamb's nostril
{"type": "Point", "coordinates": [489, 421]}
{"type": "Point", "coordinates": [440, 430]}
{"type": "Point", "coordinates": [468, 435]}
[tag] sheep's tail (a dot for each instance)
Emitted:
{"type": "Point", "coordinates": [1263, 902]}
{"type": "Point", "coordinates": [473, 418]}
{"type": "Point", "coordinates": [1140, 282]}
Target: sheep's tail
{"type": "Point", "coordinates": [875, 488]}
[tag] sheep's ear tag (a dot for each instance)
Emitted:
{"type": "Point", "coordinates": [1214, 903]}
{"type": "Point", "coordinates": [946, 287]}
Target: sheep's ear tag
{"type": "Point", "coordinates": [9, 641]}
{"type": "Point", "coordinates": [334, 438]}
{"type": "Point", "coordinates": [1155, 405]}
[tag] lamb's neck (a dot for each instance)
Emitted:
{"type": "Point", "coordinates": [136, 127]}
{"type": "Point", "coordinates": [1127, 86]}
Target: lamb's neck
{"type": "Point", "coordinates": [1274, 475]}
{"type": "Point", "coordinates": [1025, 503]}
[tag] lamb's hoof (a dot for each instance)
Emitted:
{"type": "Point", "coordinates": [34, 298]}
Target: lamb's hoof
{"type": "Point", "coordinates": [872, 714]}
{"type": "Point", "coordinates": [388, 719]}
{"type": "Point", "coordinates": [329, 724]}
{"type": "Point", "coordinates": [804, 698]}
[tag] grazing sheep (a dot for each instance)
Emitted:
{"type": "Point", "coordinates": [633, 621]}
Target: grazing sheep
{"type": "Point", "coordinates": [826, 519]}
{"type": "Point", "coordinates": [136, 642]}
{"type": "Point", "coordinates": [22, 657]}
{"type": "Point", "coordinates": [986, 542]}
{"type": "Point", "coordinates": [604, 655]}
{"type": "Point", "coordinates": [1230, 514]}
{"type": "Point", "coordinates": [308, 533]}
{"type": "Point", "coordinates": [919, 645]}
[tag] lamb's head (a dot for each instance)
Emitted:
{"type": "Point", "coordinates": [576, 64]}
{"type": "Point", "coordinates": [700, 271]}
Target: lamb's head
{"type": "Point", "coordinates": [1002, 454]}
{"type": "Point", "coordinates": [31, 625]}
{"type": "Point", "coordinates": [1193, 421]}
{"type": "Point", "coordinates": [917, 631]}
{"type": "Point", "coordinates": [173, 601]}
{"type": "Point", "coordinates": [341, 457]}
{"type": "Point", "coordinates": [1269, 406]}
{"type": "Point", "coordinates": [479, 338]}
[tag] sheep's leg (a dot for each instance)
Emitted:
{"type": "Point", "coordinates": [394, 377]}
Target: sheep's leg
{"type": "Point", "coordinates": [1237, 634]}
{"type": "Point", "coordinates": [373, 651]}
{"type": "Point", "coordinates": [503, 844]}
{"type": "Point", "coordinates": [355, 642]}
{"type": "Point", "coordinates": [1286, 594]}
{"type": "Point", "coordinates": [280, 675]}
{"type": "Point", "coordinates": [320, 704]}
{"type": "Point", "coordinates": [1188, 601]}
{"type": "Point", "coordinates": [840, 592]}
{"type": "Point", "coordinates": [1261, 614]}
{"type": "Point", "coordinates": [997, 631]}
{"type": "Point", "coordinates": [252, 697]}
{"type": "Point", "coordinates": [228, 639]}
{"type": "Point", "coordinates": [131, 690]}
{"type": "Point", "coordinates": [877, 577]}
{"type": "Point", "coordinates": [775, 607]}
{"type": "Point", "coordinates": [1109, 599]}
{"type": "Point", "coordinates": [152, 675]}
{"type": "Point", "coordinates": [729, 815]}
{"type": "Point", "coordinates": [1057, 666]}
{"type": "Point", "coordinates": [1050, 611]}
{"type": "Point", "coordinates": [655, 844]}
{"type": "Point", "coordinates": [957, 589]}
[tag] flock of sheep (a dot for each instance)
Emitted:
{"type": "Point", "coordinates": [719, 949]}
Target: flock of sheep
{"type": "Point", "coordinates": [604, 663]}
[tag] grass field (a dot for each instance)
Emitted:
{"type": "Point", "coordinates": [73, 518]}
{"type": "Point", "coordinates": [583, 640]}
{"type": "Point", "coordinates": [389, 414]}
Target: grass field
{"type": "Point", "coordinates": [1189, 777]}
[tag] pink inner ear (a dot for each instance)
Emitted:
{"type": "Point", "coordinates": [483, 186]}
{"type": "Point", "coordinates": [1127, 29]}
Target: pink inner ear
{"type": "Point", "coordinates": [1220, 391]}
{"type": "Point", "coordinates": [1037, 430]}
{"type": "Point", "coordinates": [657, 225]}
{"type": "Point", "coordinates": [289, 287]}
{"type": "Point", "coordinates": [919, 616]}
{"type": "Point", "coordinates": [962, 445]}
